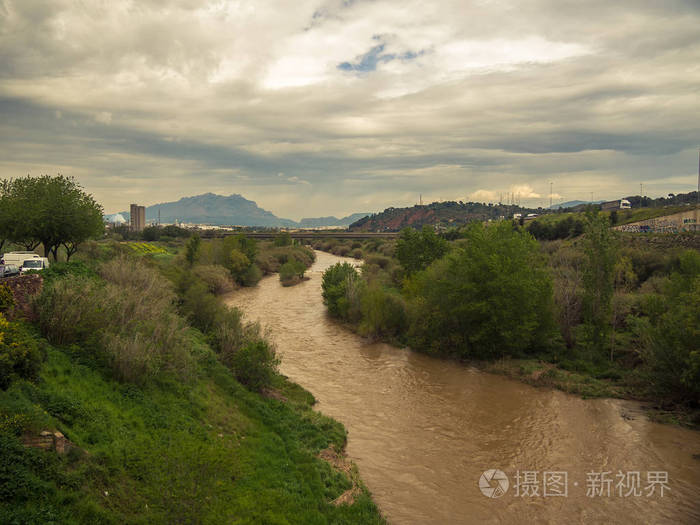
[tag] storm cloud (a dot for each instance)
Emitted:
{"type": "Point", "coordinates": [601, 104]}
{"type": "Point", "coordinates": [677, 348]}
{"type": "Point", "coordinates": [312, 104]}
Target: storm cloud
{"type": "Point", "coordinates": [334, 107]}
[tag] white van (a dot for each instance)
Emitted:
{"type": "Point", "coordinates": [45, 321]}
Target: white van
{"type": "Point", "coordinates": [19, 258]}
{"type": "Point", "coordinates": [34, 264]}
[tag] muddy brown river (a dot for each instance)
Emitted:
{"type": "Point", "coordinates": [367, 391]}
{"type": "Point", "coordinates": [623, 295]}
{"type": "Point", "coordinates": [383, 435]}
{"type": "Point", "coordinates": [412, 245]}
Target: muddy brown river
{"type": "Point", "coordinates": [424, 430]}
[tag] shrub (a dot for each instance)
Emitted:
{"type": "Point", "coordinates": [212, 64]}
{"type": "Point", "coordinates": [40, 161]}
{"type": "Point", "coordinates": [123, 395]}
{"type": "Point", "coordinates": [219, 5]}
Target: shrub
{"type": "Point", "coordinates": [492, 297]}
{"type": "Point", "coordinates": [334, 284]}
{"type": "Point", "coordinates": [416, 250]}
{"type": "Point", "coordinates": [128, 320]}
{"type": "Point", "coordinates": [251, 276]}
{"type": "Point", "coordinates": [68, 309]}
{"type": "Point", "coordinates": [672, 338]}
{"type": "Point", "coordinates": [357, 253]}
{"type": "Point", "coordinates": [383, 313]}
{"type": "Point", "coordinates": [7, 300]}
{"type": "Point", "coordinates": [292, 272]}
{"type": "Point", "coordinates": [20, 354]}
{"type": "Point", "coordinates": [230, 334]}
{"type": "Point", "coordinates": [255, 365]}
{"type": "Point", "coordinates": [217, 278]}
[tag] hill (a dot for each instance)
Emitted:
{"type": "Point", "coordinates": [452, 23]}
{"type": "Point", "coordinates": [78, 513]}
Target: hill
{"type": "Point", "coordinates": [231, 210]}
{"type": "Point", "coordinates": [331, 221]}
{"type": "Point", "coordinates": [210, 208]}
{"type": "Point", "coordinates": [442, 214]}
{"type": "Point", "coordinates": [572, 204]}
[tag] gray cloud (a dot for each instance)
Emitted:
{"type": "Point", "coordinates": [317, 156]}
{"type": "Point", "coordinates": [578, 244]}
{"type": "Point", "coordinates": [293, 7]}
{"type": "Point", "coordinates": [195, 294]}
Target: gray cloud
{"type": "Point", "coordinates": [151, 101]}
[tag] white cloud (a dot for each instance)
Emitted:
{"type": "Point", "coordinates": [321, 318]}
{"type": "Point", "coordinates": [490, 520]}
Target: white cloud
{"type": "Point", "coordinates": [465, 99]}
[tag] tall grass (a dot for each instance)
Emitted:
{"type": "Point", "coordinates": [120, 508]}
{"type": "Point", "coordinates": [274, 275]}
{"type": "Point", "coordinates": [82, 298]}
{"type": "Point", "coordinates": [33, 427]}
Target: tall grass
{"type": "Point", "coordinates": [128, 319]}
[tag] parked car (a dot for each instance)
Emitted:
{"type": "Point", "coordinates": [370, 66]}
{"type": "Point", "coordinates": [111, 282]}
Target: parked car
{"type": "Point", "coordinates": [8, 270]}
{"type": "Point", "coordinates": [34, 264]}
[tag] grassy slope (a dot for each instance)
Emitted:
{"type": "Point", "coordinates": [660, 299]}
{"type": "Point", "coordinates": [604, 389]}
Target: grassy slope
{"type": "Point", "coordinates": [209, 452]}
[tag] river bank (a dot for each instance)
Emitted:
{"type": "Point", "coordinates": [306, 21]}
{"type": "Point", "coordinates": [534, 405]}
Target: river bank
{"type": "Point", "coordinates": [422, 430]}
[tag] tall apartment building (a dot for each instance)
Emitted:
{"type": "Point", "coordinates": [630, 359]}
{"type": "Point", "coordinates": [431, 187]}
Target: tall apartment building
{"type": "Point", "coordinates": [138, 217]}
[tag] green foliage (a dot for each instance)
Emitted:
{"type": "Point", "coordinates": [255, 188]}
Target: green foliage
{"type": "Point", "coordinates": [127, 320]}
{"type": "Point", "coordinates": [383, 313]}
{"type": "Point", "coordinates": [192, 249]}
{"type": "Point", "coordinates": [672, 338]}
{"type": "Point", "coordinates": [53, 211]}
{"type": "Point", "coordinates": [492, 297]}
{"type": "Point", "coordinates": [251, 276]}
{"type": "Point", "coordinates": [20, 354]}
{"type": "Point", "coordinates": [556, 229]}
{"type": "Point", "coordinates": [283, 239]}
{"type": "Point", "coordinates": [221, 451]}
{"type": "Point", "coordinates": [417, 250]}
{"type": "Point", "coordinates": [292, 272]}
{"type": "Point", "coordinates": [217, 278]}
{"type": "Point", "coordinates": [337, 281]}
{"type": "Point", "coordinates": [7, 300]}
{"type": "Point", "coordinates": [255, 364]}
{"type": "Point", "coordinates": [598, 279]}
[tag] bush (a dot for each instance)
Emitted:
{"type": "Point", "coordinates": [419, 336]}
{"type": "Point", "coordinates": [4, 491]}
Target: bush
{"type": "Point", "coordinates": [292, 272]}
{"type": "Point", "coordinates": [127, 321]}
{"type": "Point", "coordinates": [335, 285]}
{"type": "Point", "coordinates": [672, 338]}
{"type": "Point", "coordinates": [357, 253]}
{"type": "Point", "coordinates": [217, 278]}
{"type": "Point", "coordinates": [20, 354]}
{"type": "Point", "coordinates": [417, 250]}
{"type": "Point", "coordinates": [7, 300]}
{"type": "Point", "coordinates": [255, 365]}
{"type": "Point", "coordinates": [251, 276]}
{"type": "Point", "coordinates": [383, 313]}
{"type": "Point", "coordinates": [68, 310]}
{"type": "Point", "coordinates": [491, 298]}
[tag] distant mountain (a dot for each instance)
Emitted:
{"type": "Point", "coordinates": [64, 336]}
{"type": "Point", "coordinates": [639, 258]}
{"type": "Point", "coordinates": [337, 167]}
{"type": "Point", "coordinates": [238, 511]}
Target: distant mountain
{"type": "Point", "coordinates": [331, 221]}
{"type": "Point", "coordinates": [209, 208]}
{"type": "Point", "coordinates": [232, 210]}
{"type": "Point", "coordinates": [443, 214]}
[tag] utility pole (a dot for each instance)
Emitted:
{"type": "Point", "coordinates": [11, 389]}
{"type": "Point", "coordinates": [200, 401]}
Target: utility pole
{"type": "Point", "coordinates": [641, 189]}
{"type": "Point", "coordinates": [550, 194]}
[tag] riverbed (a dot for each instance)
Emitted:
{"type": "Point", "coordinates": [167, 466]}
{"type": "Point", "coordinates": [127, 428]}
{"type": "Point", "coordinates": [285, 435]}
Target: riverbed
{"type": "Point", "coordinates": [423, 430]}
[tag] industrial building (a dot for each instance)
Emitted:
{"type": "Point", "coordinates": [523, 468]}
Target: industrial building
{"type": "Point", "coordinates": [138, 217]}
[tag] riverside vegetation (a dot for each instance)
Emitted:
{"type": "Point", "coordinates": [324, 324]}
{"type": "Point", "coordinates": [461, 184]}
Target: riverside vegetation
{"type": "Point", "coordinates": [172, 402]}
{"type": "Point", "coordinates": [592, 313]}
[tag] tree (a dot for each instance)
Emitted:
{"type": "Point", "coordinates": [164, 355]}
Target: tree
{"type": "Point", "coordinates": [416, 250]}
{"type": "Point", "coordinates": [671, 340]}
{"type": "Point", "coordinates": [489, 298]}
{"type": "Point", "coordinates": [335, 283]}
{"type": "Point", "coordinates": [600, 251]}
{"type": "Point", "coordinates": [53, 211]}
{"type": "Point", "coordinates": [192, 249]}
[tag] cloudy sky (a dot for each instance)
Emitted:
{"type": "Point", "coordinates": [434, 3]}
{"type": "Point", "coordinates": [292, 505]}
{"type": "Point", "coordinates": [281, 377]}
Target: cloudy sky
{"type": "Point", "coordinates": [317, 107]}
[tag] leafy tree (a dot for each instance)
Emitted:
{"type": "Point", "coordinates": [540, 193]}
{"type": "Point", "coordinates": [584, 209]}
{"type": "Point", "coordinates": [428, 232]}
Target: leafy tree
{"type": "Point", "coordinates": [192, 249]}
{"type": "Point", "coordinates": [672, 339]}
{"type": "Point", "coordinates": [600, 249]}
{"type": "Point", "coordinates": [489, 298]}
{"type": "Point", "coordinates": [416, 250]}
{"type": "Point", "coordinates": [335, 283]}
{"type": "Point", "coordinates": [53, 211]}
{"type": "Point", "coordinates": [151, 233]}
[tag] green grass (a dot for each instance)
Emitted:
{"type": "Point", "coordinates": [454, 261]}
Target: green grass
{"type": "Point", "coordinates": [643, 214]}
{"type": "Point", "coordinates": [206, 452]}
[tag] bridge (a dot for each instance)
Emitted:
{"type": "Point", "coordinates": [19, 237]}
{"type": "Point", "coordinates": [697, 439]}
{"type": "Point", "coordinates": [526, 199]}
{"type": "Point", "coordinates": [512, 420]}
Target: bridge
{"type": "Point", "coordinates": [307, 235]}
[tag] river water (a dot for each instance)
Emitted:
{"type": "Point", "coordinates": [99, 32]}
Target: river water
{"type": "Point", "coordinates": [423, 430]}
